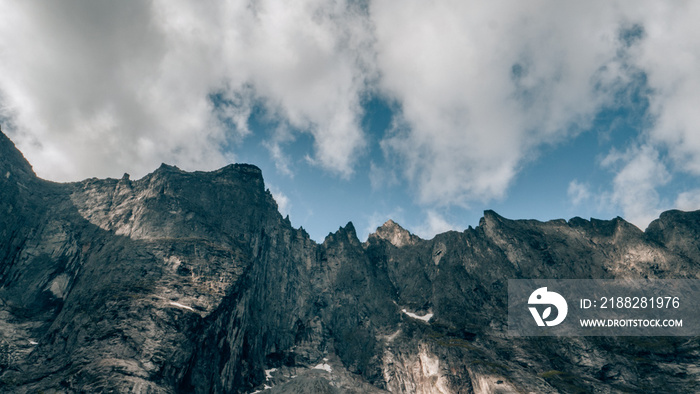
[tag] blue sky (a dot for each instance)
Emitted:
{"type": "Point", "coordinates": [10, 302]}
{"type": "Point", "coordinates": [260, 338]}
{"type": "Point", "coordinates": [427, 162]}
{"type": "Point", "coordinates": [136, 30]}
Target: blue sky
{"type": "Point", "coordinates": [321, 203]}
{"type": "Point", "coordinates": [427, 113]}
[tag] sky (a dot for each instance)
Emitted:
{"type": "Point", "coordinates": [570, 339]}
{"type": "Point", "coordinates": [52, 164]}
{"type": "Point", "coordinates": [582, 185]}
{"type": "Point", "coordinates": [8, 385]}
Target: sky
{"type": "Point", "coordinates": [424, 112]}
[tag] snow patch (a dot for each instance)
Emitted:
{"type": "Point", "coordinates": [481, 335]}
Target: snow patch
{"type": "Point", "coordinates": [426, 318]}
{"type": "Point", "coordinates": [32, 342]}
{"type": "Point", "coordinates": [265, 387]}
{"type": "Point", "coordinates": [268, 373]}
{"type": "Point", "coordinates": [179, 305]}
{"type": "Point", "coordinates": [324, 366]}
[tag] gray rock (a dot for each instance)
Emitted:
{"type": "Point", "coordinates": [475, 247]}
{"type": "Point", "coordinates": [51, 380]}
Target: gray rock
{"type": "Point", "coordinates": [193, 282]}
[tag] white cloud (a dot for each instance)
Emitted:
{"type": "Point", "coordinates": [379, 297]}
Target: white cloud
{"type": "Point", "coordinates": [688, 200]}
{"type": "Point", "coordinates": [640, 171]}
{"type": "Point", "coordinates": [578, 192]}
{"type": "Point", "coordinates": [434, 223]}
{"type": "Point", "coordinates": [275, 146]}
{"type": "Point", "coordinates": [311, 63]}
{"type": "Point", "coordinates": [669, 53]}
{"type": "Point", "coordinates": [284, 205]}
{"type": "Point", "coordinates": [100, 97]}
{"type": "Point", "coordinates": [97, 88]}
{"type": "Point", "coordinates": [483, 86]}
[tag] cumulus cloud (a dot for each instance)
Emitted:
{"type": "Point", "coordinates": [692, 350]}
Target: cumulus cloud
{"type": "Point", "coordinates": [93, 85]}
{"type": "Point", "coordinates": [578, 192]}
{"type": "Point", "coordinates": [669, 53]}
{"type": "Point", "coordinates": [90, 88]}
{"type": "Point", "coordinates": [639, 173]}
{"type": "Point", "coordinates": [688, 200]}
{"type": "Point", "coordinates": [486, 86]}
{"type": "Point", "coordinates": [665, 49]}
{"type": "Point", "coordinates": [434, 223]}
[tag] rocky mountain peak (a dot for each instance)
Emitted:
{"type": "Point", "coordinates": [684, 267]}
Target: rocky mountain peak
{"type": "Point", "coordinates": [345, 235]}
{"type": "Point", "coordinates": [490, 219]}
{"type": "Point", "coordinates": [395, 234]}
{"type": "Point", "coordinates": [12, 162]}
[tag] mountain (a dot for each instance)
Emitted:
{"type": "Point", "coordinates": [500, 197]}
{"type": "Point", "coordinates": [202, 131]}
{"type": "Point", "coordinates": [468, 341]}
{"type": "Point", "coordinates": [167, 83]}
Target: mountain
{"type": "Point", "coordinates": [193, 282]}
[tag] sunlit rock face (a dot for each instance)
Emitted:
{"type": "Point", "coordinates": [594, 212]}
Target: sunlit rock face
{"type": "Point", "coordinates": [193, 282]}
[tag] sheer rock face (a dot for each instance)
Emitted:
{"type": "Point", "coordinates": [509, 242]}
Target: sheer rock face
{"type": "Point", "coordinates": [193, 282]}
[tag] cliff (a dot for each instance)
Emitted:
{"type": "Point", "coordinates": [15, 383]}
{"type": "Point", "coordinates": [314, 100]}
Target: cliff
{"type": "Point", "coordinates": [193, 282]}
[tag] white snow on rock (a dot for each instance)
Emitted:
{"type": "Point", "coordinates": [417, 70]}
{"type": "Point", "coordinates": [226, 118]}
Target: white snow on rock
{"type": "Point", "coordinates": [324, 366]}
{"type": "Point", "coordinates": [179, 305]}
{"type": "Point", "coordinates": [265, 387]}
{"type": "Point", "coordinates": [425, 318]}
